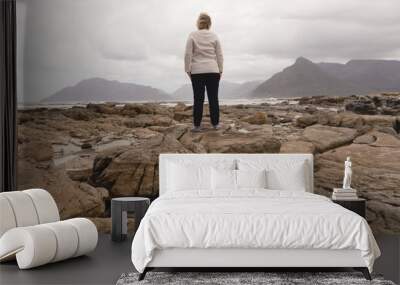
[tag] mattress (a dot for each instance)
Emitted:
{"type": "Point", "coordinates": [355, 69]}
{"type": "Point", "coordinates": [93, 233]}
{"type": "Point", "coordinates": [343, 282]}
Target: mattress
{"type": "Point", "coordinates": [251, 219]}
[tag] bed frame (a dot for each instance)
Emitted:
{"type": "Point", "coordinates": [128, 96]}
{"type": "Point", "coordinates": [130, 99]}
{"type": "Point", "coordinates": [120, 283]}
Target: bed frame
{"type": "Point", "coordinates": [246, 258]}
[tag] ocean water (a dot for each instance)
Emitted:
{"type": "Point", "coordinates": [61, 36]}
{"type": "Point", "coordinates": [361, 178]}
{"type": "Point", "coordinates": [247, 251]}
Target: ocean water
{"type": "Point", "coordinates": [228, 102]}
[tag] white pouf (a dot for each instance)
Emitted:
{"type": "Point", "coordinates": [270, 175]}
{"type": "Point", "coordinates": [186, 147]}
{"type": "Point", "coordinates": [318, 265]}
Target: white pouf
{"type": "Point", "coordinates": [31, 232]}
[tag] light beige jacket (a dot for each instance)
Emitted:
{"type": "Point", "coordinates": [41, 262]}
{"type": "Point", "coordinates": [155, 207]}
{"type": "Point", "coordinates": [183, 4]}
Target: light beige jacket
{"type": "Point", "coordinates": [203, 53]}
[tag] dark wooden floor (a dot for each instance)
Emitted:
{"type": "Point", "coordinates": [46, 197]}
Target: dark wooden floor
{"type": "Point", "coordinates": [103, 266]}
{"type": "Point", "coordinates": [110, 260]}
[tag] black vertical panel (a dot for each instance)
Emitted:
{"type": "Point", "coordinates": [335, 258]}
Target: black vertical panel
{"type": "Point", "coordinates": [8, 96]}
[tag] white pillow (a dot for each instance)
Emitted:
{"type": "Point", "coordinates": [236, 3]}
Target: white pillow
{"type": "Point", "coordinates": [223, 179]}
{"type": "Point", "coordinates": [251, 178]}
{"type": "Point", "coordinates": [291, 180]}
{"type": "Point", "coordinates": [228, 179]}
{"type": "Point", "coordinates": [183, 177]}
{"type": "Point", "coordinates": [188, 174]}
{"type": "Point", "coordinates": [290, 175]}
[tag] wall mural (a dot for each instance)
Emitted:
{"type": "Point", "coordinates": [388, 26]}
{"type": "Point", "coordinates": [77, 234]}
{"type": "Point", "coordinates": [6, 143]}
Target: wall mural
{"type": "Point", "coordinates": [101, 97]}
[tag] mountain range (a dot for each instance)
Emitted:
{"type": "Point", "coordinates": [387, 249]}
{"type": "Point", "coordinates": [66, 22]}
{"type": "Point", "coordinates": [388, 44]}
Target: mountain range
{"type": "Point", "coordinates": [99, 89]}
{"type": "Point", "coordinates": [303, 78]}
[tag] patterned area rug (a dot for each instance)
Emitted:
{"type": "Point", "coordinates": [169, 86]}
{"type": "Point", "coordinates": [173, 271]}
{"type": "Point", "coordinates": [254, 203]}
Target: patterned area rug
{"type": "Point", "coordinates": [273, 278]}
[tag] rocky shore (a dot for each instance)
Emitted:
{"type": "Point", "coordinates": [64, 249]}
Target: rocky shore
{"type": "Point", "coordinates": [86, 155]}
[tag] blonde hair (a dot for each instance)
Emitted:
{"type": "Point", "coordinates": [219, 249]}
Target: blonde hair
{"type": "Point", "coordinates": [204, 21]}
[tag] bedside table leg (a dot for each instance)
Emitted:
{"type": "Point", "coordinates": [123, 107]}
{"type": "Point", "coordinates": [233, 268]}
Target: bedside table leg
{"type": "Point", "coordinates": [116, 222]}
{"type": "Point", "coordinates": [140, 211]}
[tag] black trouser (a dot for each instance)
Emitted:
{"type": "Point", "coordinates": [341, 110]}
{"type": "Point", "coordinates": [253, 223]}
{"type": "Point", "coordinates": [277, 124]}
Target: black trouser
{"type": "Point", "coordinates": [199, 83]}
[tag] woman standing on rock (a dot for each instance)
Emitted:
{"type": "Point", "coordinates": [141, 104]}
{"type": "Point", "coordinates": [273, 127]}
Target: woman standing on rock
{"type": "Point", "coordinates": [204, 65]}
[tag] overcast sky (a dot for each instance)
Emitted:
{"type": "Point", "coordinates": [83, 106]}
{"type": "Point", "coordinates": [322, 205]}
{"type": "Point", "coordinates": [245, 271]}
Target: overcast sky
{"type": "Point", "coordinates": [61, 42]}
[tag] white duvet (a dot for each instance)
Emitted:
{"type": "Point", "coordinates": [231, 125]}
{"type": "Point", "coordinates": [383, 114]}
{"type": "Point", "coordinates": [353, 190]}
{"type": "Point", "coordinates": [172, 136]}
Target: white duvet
{"type": "Point", "coordinates": [250, 219]}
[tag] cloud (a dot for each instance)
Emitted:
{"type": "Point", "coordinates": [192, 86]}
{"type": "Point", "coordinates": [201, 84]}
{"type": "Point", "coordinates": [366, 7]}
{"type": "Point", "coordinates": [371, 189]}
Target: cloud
{"type": "Point", "coordinates": [63, 41]}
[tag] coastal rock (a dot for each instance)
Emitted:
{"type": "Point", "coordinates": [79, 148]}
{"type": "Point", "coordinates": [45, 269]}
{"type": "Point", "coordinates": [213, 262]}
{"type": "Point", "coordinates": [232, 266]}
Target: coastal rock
{"type": "Point", "coordinates": [255, 142]}
{"type": "Point", "coordinates": [73, 199]}
{"type": "Point", "coordinates": [362, 107]}
{"type": "Point", "coordinates": [93, 197]}
{"type": "Point", "coordinates": [311, 109]}
{"type": "Point", "coordinates": [380, 121]}
{"type": "Point", "coordinates": [79, 168]}
{"type": "Point", "coordinates": [383, 217]}
{"type": "Point", "coordinates": [107, 108]}
{"type": "Point", "coordinates": [328, 118]}
{"type": "Point", "coordinates": [306, 120]}
{"type": "Point", "coordinates": [325, 138]}
{"type": "Point", "coordinates": [126, 140]}
{"type": "Point", "coordinates": [297, 147]}
{"type": "Point", "coordinates": [135, 109]}
{"type": "Point", "coordinates": [386, 130]}
{"type": "Point", "coordinates": [254, 130]}
{"type": "Point", "coordinates": [23, 118]}
{"type": "Point", "coordinates": [145, 120]}
{"type": "Point", "coordinates": [145, 133]}
{"type": "Point", "coordinates": [37, 150]}
{"type": "Point", "coordinates": [177, 130]}
{"type": "Point", "coordinates": [385, 140]}
{"type": "Point", "coordinates": [376, 176]}
{"type": "Point", "coordinates": [391, 111]}
{"type": "Point", "coordinates": [365, 139]}
{"type": "Point", "coordinates": [350, 120]}
{"type": "Point", "coordinates": [132, 171]}
{"type": "Point", "coordinates": [392, 101]}
{"type": "Point", "coordinates": [183, 115]}
{"type": "Point", "coordinates": [258, 118]}
{"type": "Point", "coordinates": [180, 107]}
{"type": "Point", "coordinates": [80, 114]}
{"type": "Point", "coordinates": [79, 174]}
{"type": "Point", "coordinates": [322, 100]}
{"type": "Point", "coordinates": [242, 138]}
{"type": "Point", "coordinates": [191, 142]}
{"type": "Point", "coordinates": [81, 133]}
{"type": "Point", "coordinates": [356, 121]}
{"type": "Point", "coordinates": [86, 145]}
{"type": "Point", "coordinates": [389, 103]}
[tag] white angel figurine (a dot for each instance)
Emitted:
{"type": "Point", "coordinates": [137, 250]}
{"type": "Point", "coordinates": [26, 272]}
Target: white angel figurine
{"type": "Point", "coordinates": [347, 174]}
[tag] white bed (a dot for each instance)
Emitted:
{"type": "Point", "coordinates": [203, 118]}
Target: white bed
{"type": "Point", "coordinates": [248, 227]}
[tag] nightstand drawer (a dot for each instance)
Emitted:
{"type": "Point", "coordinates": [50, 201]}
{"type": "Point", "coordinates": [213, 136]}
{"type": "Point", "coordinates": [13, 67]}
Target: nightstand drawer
{"type": "Point", "coordinates": [357, 206]}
